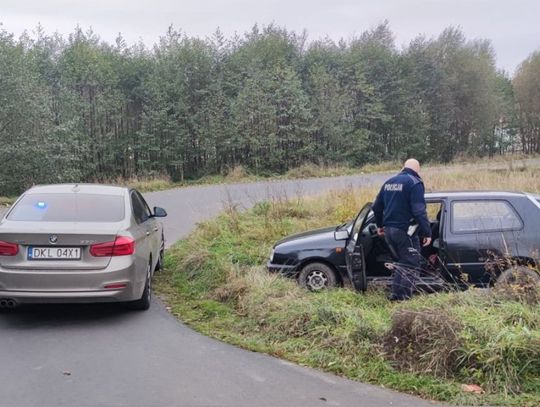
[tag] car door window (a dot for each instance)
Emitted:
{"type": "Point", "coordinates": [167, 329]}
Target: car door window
{"type": "Point", "coordinates": [140, 212]}
{"type": "Point", "coordinates": [484, 216]}
{"type": "Point", "coordinates": [147, 212]}
{"type": "Point", "coordinates": [434, 211]}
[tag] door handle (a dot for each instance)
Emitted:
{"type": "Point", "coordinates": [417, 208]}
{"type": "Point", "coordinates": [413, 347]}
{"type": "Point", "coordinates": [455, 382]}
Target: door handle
{"type": "Point", "coordinates": [156, 229]}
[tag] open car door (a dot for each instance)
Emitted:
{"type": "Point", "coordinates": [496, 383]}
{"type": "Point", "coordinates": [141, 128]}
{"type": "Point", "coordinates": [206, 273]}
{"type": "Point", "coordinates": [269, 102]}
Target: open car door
{"type": "Point", "coordinates": [354, 256]}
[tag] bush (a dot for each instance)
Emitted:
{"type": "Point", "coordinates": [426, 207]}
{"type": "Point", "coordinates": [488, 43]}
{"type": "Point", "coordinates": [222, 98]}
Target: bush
{"type": "Point", "coordinates": [519, 284]}
{"type": "Point", "coordinates": [237, 174]}
{"type": "Point", "coordinates": [426, 341]}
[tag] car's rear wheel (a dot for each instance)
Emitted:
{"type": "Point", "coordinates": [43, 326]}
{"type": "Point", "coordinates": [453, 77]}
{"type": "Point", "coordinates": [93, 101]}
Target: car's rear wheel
{"type": "Point", "coordinates": [144, 302]}
{"type": "Point", "coordinates": [317, 276]}
{"type": "Point", "coordinates": [160, 264]}
{"type": "Point", "coordinates": [519, 275]}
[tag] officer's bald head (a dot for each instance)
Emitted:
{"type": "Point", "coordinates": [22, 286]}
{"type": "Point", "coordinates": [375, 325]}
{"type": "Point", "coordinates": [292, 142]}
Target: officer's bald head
{"type": "Point", "coordinates": [412, 164]}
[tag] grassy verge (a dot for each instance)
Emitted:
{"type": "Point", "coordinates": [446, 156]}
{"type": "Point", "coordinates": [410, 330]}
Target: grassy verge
{"type": "Point", "coordinates": [430, 346]}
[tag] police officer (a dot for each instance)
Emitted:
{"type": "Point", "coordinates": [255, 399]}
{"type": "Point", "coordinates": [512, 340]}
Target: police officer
{"type": "Point", "coordinates": [399, 204]}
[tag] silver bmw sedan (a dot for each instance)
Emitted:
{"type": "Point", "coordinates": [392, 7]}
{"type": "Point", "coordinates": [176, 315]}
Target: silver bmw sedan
{"type": "Point", "coordinates": [80, 243]}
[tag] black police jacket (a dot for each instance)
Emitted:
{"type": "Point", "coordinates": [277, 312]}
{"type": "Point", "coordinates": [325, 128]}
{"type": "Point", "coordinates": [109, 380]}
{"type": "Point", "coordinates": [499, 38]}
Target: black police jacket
{"type": "Point", "coordinates": [401, 202]}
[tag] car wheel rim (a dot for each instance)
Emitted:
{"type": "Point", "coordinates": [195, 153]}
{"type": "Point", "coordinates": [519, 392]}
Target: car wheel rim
{"type": "Point", "coordinates": [317, 280]}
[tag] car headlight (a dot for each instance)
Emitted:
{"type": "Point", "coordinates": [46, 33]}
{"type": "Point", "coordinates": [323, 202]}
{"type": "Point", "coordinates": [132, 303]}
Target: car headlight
{"type": "Point", "coordinates": [272, 255]}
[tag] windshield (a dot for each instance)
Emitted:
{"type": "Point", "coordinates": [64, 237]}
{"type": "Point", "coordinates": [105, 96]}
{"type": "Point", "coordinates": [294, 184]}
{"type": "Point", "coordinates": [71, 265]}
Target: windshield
{"type": "Point", "coordinates": [68, 207]}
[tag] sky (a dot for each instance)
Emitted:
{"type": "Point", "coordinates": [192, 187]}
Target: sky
{"type": "Point", "coordinates": [511, 25]}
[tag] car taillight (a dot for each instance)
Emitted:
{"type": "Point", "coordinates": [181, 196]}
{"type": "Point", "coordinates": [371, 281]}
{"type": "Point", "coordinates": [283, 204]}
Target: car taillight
{"type": "Point", "coordinates": [8, 249]}
{"type": "Point", "coordinates": [122, 246]}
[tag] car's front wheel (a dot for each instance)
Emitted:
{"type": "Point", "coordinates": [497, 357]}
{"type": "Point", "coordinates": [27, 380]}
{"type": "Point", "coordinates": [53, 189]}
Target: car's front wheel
{"type": "Point", "coordinates": [317, 276]}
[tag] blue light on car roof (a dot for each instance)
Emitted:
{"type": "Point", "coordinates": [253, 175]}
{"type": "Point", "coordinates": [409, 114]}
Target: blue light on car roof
{"type": "Point", "coordinates": [41, 205]}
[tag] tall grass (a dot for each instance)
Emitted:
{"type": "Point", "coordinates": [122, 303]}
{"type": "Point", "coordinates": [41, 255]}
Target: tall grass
{"type": "Point", "coordinates": [476, 177]}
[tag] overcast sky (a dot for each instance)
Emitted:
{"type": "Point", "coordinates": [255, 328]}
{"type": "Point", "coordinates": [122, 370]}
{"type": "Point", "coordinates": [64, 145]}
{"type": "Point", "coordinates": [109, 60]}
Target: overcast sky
{"type": "Point", "coordinates": [511, 25]}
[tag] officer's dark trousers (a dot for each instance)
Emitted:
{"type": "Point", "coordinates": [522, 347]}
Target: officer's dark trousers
{"type": "Point", "coordinates": [407, 249]}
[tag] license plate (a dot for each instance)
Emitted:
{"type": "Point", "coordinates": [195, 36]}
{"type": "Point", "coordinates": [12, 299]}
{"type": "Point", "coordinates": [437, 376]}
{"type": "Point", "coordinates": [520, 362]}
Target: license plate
{"type": "Point", "coordinates": [54, 253]}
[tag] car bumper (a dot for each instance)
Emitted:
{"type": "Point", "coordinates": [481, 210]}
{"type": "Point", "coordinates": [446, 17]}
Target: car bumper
{"type": "Point", "coordinates": [286, 270]}
{"type": "Point", "coordinates": [45, 297]}
{"type": "Point", "coordinates": [73, 286]}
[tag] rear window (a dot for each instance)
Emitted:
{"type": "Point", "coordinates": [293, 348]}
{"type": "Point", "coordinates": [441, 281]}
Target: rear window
{"type": "Point", "coordinates": [68, 207]}
{"type": "Point", "coordinates": [483, 216]}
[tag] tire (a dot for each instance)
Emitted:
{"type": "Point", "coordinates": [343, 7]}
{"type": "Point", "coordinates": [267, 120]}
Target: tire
{"type": "Point", "coordinates": [144, 302]}
{"type": "Point", "coordinates": [518, 275]}
{"type": "Point", "coordinates": [317, 276]}
{"type": "Point", "coordinates": [161, 256]}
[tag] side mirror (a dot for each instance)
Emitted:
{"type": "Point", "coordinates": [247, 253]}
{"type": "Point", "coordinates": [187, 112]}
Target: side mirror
{"type": "Point", "coordinates": [341, 235]}
{"type": "Point", "coordinates": [159, 212]}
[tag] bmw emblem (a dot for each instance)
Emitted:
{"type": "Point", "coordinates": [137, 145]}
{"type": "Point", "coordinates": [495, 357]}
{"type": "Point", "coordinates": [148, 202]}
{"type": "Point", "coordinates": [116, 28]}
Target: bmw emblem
{"type": "Point", "coordinates": [53, 239]}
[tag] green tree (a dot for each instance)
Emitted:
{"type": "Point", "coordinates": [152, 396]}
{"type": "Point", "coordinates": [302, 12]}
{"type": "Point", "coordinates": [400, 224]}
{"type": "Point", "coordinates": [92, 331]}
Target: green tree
{"type": "Point", "coordinates": [80, 109]}
{"type": "Point", "coordinates": [527, 92]}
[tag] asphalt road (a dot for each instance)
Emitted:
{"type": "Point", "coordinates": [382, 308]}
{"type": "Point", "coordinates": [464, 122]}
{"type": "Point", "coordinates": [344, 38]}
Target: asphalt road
{"type": "Point", "coordinates": [107, 356]}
